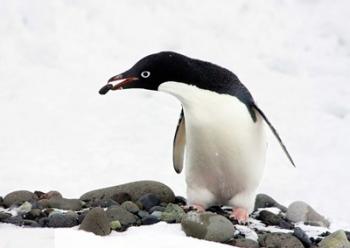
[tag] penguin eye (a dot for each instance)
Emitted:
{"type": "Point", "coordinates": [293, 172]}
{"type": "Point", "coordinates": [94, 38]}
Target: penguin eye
{"type": "Point", "coordinates": [145, 74]}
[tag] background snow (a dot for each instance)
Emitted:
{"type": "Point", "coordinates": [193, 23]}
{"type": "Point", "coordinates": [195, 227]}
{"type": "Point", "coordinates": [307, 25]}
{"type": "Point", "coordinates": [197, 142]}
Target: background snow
{"type": "Point", "coordinates": [58, 133]}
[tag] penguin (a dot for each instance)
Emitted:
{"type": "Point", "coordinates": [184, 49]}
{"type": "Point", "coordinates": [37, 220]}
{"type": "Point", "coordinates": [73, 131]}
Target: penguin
{"type": "Point", "coordinates": [220, 136]}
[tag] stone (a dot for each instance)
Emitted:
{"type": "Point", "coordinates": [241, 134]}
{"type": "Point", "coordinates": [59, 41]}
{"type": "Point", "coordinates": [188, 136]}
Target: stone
{"type": "Point", "coordinates": [61, 203]}
{"type": "Point", "coordinates": [285, 240]}
{"type": "Point", "coordinates": [57, 219]}
{"type": "Point", "coordinates": [121, 197]}
{"type": "Point", "coordinates": [43, 222]}
{"type": "Point", "coordinates": [26, 207]}
{"type": "Point", "coordinates": [150, 220]}
{"type": "Point", "coordinates": [142, 213]}
{"type": "Point", "coordinates": [31, 223]}
{"type": "Point", "coordinates": [157, 214]}
{"type": "Point", "coordinates": [115, 225]}
{"type": "Point", "coordinates": [39, 194]}
{"type": "Point", "coordinates": [301, 212]}
{"type": "Point", "coordinates": [131, 207]}
{"type": "Point", "coordinates": [245, 243]}
{"type": "Point", "coordinates": [15, 220]}
{"type": "Point", "coordinates": [97, 222]}
{"type": "Point", "coordinates": [134, 189]}
{"type": "Point", "coordinates": [172, 213]}
{"type": "Point", "coordinates": [149, 200]}
{"type": "Point", "coordinates": [337, 239]}
{"type": "Point", "coordinates": [50, 194]}
{"type": "Point", "coordinates": [1, 201]}
{"type": "Point", "coordinates": [34, 214]}
{"type": "Point", "coordinates": [18, 197]}
{"type": "Point", "coordinates": [123, 216]}
{"type": "Point", "coordinates": [4, 216]}
{"type": "Point", "coordinates": [180, 200]}
{"type": "Point", "coordinates": [103, 203]}
{"type": "Point", "coordinates": [208, 226]}
{"type": "Point", "coordinates": [271, 219]}
{"type": "Point", "coordinates": [302, 236]}
{"type": "Point", "coordinates": [157, 208]}
{"type": "Point", "coordinates": [265, 201]}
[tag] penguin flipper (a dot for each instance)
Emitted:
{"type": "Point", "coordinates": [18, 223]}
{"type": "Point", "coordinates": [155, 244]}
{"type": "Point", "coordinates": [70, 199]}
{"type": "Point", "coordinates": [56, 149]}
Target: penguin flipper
{"type": "Point", "coordinates": [179, 144]}
{"type": "Point", "coordinates": [274, 131]}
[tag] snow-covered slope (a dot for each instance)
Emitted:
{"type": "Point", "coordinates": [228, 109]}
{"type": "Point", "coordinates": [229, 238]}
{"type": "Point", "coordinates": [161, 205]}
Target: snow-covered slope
{"type": "Point", "coordinates": [58, 133]}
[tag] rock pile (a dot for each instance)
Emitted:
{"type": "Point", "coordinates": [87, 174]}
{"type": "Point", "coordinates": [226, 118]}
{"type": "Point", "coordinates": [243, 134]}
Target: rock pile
{"type": "Point", "coordinates": [148, 202]}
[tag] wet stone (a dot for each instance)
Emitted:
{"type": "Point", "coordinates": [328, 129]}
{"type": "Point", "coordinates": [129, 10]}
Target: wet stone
{"type": "Point", "coordinates": [149, 200]}
{"type": "Point", "coordinates": [271, 219]}
{"type": "Point", "coordinates": [302, 236]}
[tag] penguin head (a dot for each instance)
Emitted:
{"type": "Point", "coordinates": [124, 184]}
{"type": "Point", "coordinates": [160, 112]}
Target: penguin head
{"type": "Point", "coordinates": [149, 72]}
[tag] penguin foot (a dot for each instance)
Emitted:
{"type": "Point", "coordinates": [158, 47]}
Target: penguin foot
{"type": "Point", "coordinates": [240, 214]}
{"type": "Point", "coordinates": [196, 207]}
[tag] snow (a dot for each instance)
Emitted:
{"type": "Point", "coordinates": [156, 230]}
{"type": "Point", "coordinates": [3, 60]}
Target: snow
{"type": "Point", "coordinates": [58, 133]}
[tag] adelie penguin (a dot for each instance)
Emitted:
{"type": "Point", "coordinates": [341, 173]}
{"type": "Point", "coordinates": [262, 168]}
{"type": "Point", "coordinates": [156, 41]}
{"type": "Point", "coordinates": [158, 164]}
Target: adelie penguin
{"type": "Point", "coordinates": [220, 127]}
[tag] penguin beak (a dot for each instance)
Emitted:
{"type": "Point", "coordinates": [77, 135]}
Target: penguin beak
{"type": "Point", "coordinates": [120, 82]}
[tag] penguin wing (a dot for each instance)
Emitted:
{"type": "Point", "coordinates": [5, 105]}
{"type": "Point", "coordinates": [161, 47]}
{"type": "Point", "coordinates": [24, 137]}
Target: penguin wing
{"type": "Point", "coordinates": [179, 144]}
{"type": "Point", "coordinates": [274, 131]}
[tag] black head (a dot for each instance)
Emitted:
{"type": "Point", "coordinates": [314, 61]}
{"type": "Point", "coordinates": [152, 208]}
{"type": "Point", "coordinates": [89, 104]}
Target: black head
{"type": "Point", "coordinates": [150, 72]}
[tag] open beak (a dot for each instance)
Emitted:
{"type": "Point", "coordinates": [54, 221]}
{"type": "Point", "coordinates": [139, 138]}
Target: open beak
{"type": "Point", "coordinates": [120, 82]}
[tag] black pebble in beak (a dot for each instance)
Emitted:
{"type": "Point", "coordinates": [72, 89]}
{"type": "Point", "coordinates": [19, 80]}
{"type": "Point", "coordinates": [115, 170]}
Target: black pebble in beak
{"type": "Point", "coordinates": [105, 89]}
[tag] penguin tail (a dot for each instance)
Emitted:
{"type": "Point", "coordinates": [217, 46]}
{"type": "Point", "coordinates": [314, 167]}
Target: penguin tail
{"type": "Point", "coordinates": [274, 131]}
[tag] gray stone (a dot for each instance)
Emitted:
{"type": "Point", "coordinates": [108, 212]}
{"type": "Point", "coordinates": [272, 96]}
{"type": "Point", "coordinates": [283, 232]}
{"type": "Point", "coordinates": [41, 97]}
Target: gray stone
{"type": "Point", "coordinates": [61, 203]}
{"type": "Point", "coordinates": [57, 219]}
{"type": "Point", "coordinates": [337, 239]}
{"type": "Point", "coordinates": [149, 200]}
{"type": "Point", "coordinates": [4, 216]}
{"type": "Point", "coordinates": [26, 207]}
{"type": "Point", "coordinates": [302, 212]}
{"type": "Point", "coordinates": [285, 240]}
{"type": "Point", "coordinates": [30, 223]}
{"type": "Point", "coordinates": [208, 226]}
{"type": "Point", "coordinates": [157, 208]}
{"type": "Point", "coordinates": [135, 190]}
{"type": "Point", "coordinates": [302, 236]}
{"type": "Point", "coordinates": [15, 220]}
{"type": "Point", "coordinates": [121, 197]}
{"type": "Point", "coordinates": [157, 214]}
{"type": "Point", "coordinates": [18, 197]}
{"type": "Point", "coordinates": [244, 243]}
{"type": "Point", "coordinates": [172, 214]}
{"type": "Point", "coordinates": [265, 201]}
{"type": "Point", "coordinates": [142, 213]}
{"type": "Point", "coordinates": [130, 206]}
{"type": "Point", "coordinates": [123, 216]}
{"type": "Point", "coordinates": [272, 219]}
{"type": "Point", "coordinates": [149, 220]}
{"type": "Point", "coordinates": [97, 222]}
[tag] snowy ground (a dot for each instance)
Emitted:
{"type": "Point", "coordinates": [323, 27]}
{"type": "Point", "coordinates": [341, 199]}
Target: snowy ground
{"type": "Point", "coordinates": [58, 133]}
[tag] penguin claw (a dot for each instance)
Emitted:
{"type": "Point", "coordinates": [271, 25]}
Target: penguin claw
{"type": "Point", "coordinates": [240, 214]}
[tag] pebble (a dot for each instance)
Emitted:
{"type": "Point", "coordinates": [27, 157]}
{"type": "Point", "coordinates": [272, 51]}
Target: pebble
{"type": "Point", "coordinates": [337, 239]}
{"type": "Point", "coordinates": [149, 200]}
{"type": "Point", "coordinates": [208, 226]}
{"type": "Point", "coordinates": [61, 203]}
{"type": "Point", "coordinates": [142, 213]}
{"type": "Point", "coordinates": [172, 213]}
{"type": "Point", "coordinates": [285, 240]}
{"type": "Point", "coordinates": [97, 222]}
{"type": "Point", "coordinates": [302, 236]}
{"type": "Point", "coordinates": [180, 200]}
{"type": "Point", "coordinates": [58, 219]}
{"type": "Point", "coordinates": [131, 207]}
{"type": "Point", "coordinates": [123, 216]}
{"type": "Point", "coordinates": [157, 208]}
{"type": "Point", "coordinates": [157, 214]}
{"type": "Point", "coordinates": [121, 197]}
{"type": "Point", "coordinates": [149, 220]}
{"type": "Point", "coordinates": [244, 243]}
{"type": "Point", "coordinates": [18, 197]}
{"type": "Point", "coordinates": [4, 216]}
{"type": "Point", "coordinates": [115, 225]}
{"type": "Point", "coordinates": [266, 201]}
{"type": "Point", "coordinates": [134, 189]}
{"type": "Point", "coordinates": [16, 220]}
{"type": "Point", "coordinates": [103, 203]}
{"type": "Point", "coordinates": [1, 201]}
{"type": "Point", "coordinates": [31, 223]}
{"type": "Point", "coordinates": [302, 212]}
{"type": "Point", "coordinates": [26, 207]}
{"type": "Point", "coordinates": [272, 219]}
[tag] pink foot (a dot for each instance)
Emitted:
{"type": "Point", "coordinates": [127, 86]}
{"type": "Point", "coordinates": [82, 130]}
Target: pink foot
{"type": "Point", "coordinates": [240, 214]}
{"type": "Point", "coordinates": [197, 207]}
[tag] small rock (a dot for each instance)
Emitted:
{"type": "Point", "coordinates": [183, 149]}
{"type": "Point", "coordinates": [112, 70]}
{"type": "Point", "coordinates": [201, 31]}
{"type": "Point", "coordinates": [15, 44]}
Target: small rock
{"type": "Point", "coordinates": [18, 197]}
{"type": "Point", "coordinates": [30, 223]}
{"type": "Point", "coordinates": [142, 213]}
{"type": "Point", "coordinates": [121, 197]}
{"type": "Point", "coordinates": [4, 216]}
{"type": "Point", "coordinates": [134, 189]}
{"type": "Point", "coordinates": [149, 200]}
{"type": "Point", "coordinates": [81, 216]}
{"type": "Point", "coordinates": [301, 212]}
{"type": "Point", "coordinates": [43, 222]}
{"type": "Point", "coordinates": [180, 200]}
{"type": "Point", "coordinates": [1, 201]}
{"type": "Point", "coordinates": [271, 219]}
{"type": "Point", "coordinates": [302, 236]}
{"type": "Point", "coordinates": [97, 222]}
{"type": "Point", "coordinates": [347, 234]}
{"type": "Point", "coordinates": [62, 203]}
{"type": "Point", "coordinates": [285, 240]}
{"type": "Point", "coordinates": [157, 208]}
{"type": "Point", "coordinates": [57, 219]}
{"type": "Point", "coordinates": [26, 207]}
{"type": "Point", "coordinates": [115, 225]}
{"type": "Point", "coordinates": [123, 216]}
{"type": "Point", "coordinates": [208, 226]}
{"type": "Point", "coordinates": [172, 213]}
{"type": "Point", "coordinates": [245, 243]}
{"type": "Point", "coordinates": [157, 214]}
{"type": "Point", "coordinates": [265, 201]}
{"type": "Point", "coordinates": [34, 214]}
{"type": "Point", "coordinates": [16, 220]}
{"type": "Point", "coordinates": [130, 206]}
{"type": "Point", "coordinates": [149, 220]}
{"type": "Point", "coordinates": [337, 239]}
{"type": "Point", "coordinates": [103, 203]}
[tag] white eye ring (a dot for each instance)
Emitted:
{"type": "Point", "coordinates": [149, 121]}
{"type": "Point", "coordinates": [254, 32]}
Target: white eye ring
{"type": "Point", "coordinates": [145, 74]}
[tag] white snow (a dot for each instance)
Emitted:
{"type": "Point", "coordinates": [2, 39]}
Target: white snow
{"type": "Point", "coordinates": [57, 133]}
